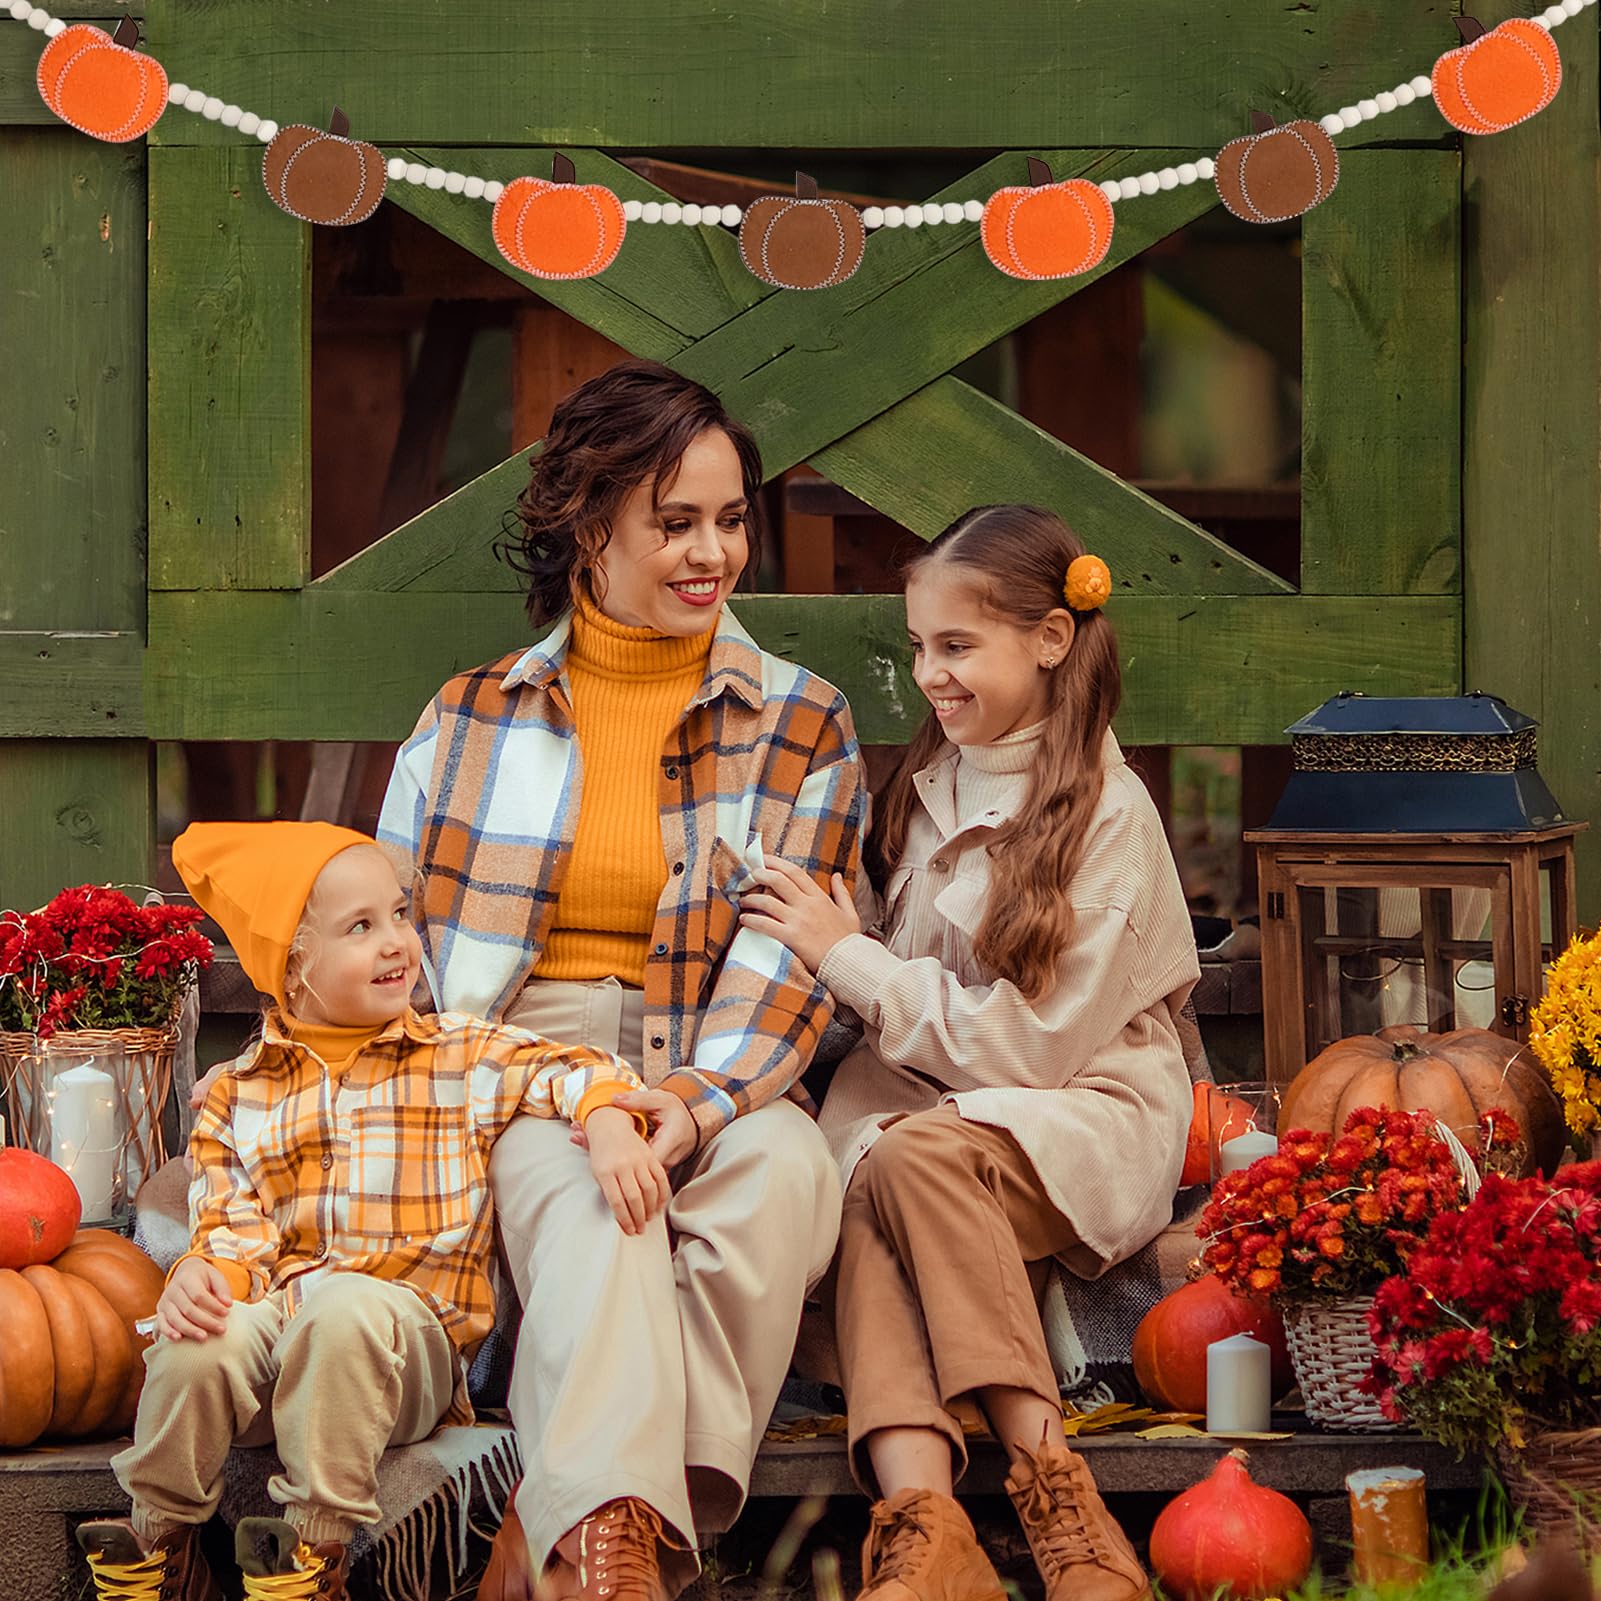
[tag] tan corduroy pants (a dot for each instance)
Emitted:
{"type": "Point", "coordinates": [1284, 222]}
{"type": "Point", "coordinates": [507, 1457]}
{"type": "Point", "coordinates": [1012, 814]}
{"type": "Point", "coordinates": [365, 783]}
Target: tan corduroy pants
{"type": "Point", "coordinates": [649, 1365]}
{"type": "Point", "coordinates": [945, 1242]}
{"type": "Point", "coordinates": [361, 1365]}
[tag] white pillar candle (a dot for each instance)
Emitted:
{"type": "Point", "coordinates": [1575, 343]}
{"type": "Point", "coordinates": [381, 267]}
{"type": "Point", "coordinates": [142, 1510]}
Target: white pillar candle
{"type": "Point", "coordinates": [83, 1136]}
{"type": "Point", "coordinates": [1244, 1149]}
{"type": "Point", "coordinates": [1239, 1386]}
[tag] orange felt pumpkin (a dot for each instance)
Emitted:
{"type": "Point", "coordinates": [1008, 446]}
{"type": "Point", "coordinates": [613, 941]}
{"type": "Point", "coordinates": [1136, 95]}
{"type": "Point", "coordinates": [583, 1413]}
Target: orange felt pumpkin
{"type": "Point", "coordinates": [801, 241]}
{"type": "Point", "coordinates": [1171, 1340]}
{"type": "Point", "coordinates": [322, 177]}
{"type": "Point", "coordinates": [99, 84]}
{"type": "Point", "coordinates": [1497, 79]}
{"type": "Point", "coordinates": [71, 1362]}
{"type": "Point", "coordinates": [1045, 229]}
{"type": "Point", "coordinates": [1276, 172]}
{"type": "Point", "coordinates": [1215, 1116]}
{"type": "Point", "coordinates": [558, 228]}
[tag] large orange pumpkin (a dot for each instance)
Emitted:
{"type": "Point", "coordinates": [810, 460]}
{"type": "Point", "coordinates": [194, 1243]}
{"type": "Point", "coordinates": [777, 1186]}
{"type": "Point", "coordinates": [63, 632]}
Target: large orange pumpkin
{"type": "Point", "coordinates": [1456, 1076]}
{"type": "Point", "coordinates": [99, 84]}
{"type": "Point", "coordinates": [1045, 229]}
{"type": "Point", "coordinates": [558, 228]}
{"type": "Point", "coordinates": [801, 241]}
{"type": "Point", "coordinates": [1171, 1340]}
{"type": "Point", "coordinates": [71, 1362]}
{"type": "Point", "coordinates": [1499, 78]}
{"type": "Point", "coordinates": [325, 178]}
{"type": "Point", "coordinates": [39, 1208]}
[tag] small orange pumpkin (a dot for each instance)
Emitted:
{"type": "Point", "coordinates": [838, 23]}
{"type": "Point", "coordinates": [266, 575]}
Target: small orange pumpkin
{"type": "Point", "coordinates": [323, 177]}
{"type": "Point", "coordinates": [1215, 1116]}
{"type": "Point", "coordinates": [1044, 229]}
{"type": "Point", "coordinates": [99, 84]}
{"type": "Point", "coordinates": [558, 228]}
{"type": "Point", "coordinates": [1169, 1351]}
{"type": "Point", "coordinates": [802, 241]}
{"type": "Point", "coordinates": [1497, 78]}
{"type": "Point", "coordinates": [1276, 172]}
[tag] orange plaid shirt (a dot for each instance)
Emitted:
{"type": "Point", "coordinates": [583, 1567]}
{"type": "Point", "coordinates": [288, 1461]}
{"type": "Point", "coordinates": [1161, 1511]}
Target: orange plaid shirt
{"type": "Point", "coordinates": [384, 1169]}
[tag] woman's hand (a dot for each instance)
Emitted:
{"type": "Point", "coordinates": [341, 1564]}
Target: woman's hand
{"type": "Point", "coordinates": [790, 906]}
{"type": "Point", "coordinates": [197, 1096]}
{"type": "Point", "coordinates": [195, 1302]}
{"type": "Point", "coordinates": [631, 1178]}
{"type": "Point", "coordinates": [673, 1134]}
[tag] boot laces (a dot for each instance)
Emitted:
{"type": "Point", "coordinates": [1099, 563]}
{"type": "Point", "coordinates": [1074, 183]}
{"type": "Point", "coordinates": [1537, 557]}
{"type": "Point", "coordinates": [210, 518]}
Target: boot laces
{"type": "Point", "coordinates": [617, 1548]}
{"type": "Point", "coordinates": [1054, 1513]}
{"type": "Point", "coordinates": [129, 1581]}
{"type": "Point", "coordinates": [896, 1544]}
{"type": "Point", "coordinates": [306, 1583]}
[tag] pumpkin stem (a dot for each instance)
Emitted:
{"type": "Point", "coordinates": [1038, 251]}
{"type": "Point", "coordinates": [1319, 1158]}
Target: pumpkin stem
{"type": "Point", "coordinates": [1039, 173]}
{"type": "Point", "coordinates": [1470, 28]}
{"type": "Point", "coordinates": [338, 124]}
{"type": "Point", "coordinates": [1261, 122]}
{"type": "Point", "coordinates": [1240, 1454]}
{"type": "Point", "coordinates": [1403, 1051]}
{"type": "Point", "coordinates": [126, 34]}
{"type": "Point", "coordinates": [805, 186]}
{"type": "Point", "coordinates": [562, 169]}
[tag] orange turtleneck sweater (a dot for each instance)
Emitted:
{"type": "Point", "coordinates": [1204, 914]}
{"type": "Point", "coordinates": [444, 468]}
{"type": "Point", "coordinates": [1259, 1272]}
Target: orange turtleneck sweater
{"type": "Point", "coordinates": [629, 687]}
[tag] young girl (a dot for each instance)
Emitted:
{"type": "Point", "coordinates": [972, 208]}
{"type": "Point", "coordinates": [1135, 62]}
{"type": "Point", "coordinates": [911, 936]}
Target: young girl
{"type": "Point", "coordinates": [1020, 1093]}
{"type": "Point", "coordinates": [338, 1272]}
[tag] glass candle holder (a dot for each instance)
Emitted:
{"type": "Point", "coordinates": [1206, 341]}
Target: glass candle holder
{"type": "Point", "coordinates": [1244, 1127]}
{"type": "Point", "coordinates": [84, 1115]}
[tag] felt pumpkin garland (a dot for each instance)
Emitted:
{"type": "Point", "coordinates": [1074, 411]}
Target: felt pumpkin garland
{"type": "Point", "coordinates": [99, 83]}
{"type": "Point", "coordinates": [1044, 229]}
{"type": "Point", "coordinates": [1277, 171]}
{"type": "Point", "coordinates": [1498, 77]}
{"type": "Point", "coordinates": [558, 228]}
{"type": "Point", "coordinates": [802, 241]}
{"type": "Point", "coordinates": [323, 177]}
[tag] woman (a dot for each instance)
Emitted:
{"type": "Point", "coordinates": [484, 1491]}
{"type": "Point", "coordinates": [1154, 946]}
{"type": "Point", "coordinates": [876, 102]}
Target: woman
{"type": "Point", "coordinates": [582, 818]}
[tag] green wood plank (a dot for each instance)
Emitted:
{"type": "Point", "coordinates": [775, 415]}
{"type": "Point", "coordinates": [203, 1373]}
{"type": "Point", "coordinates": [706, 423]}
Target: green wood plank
{"type": "Point", "coordinates": [72, 494]}
{"type": "Point", "coordinates": [75, 812]}
{"type": "Point", "coordinates": [230, 329]}
{"type": "Point", "coordinates": [1381, 487]}
{"type": "Point", "coordinates": [1200, 670]}
{"type": "Point", "coordinates": [837, 74]}
{"type": "Point", "coordinates": [61, 684]}
{"type": "Point", "coordinates": [20, 46]}
{"type": "Point", "coordinates": [1532, 430]}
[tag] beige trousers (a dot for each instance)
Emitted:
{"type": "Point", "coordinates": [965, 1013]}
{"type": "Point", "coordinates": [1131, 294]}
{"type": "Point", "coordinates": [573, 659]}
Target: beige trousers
{"type": "Point", "coordinates": [649, 1365]}
{"type": "Point", "coordinates": [362, 1364]}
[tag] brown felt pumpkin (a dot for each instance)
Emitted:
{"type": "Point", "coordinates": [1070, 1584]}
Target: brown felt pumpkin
{"type": "Point", "coordinates": [39, 1208]}
{"type": "Point", "coordinates": [801, 241]}
{"type": "Point", "coordinates": [324, 177]}
{"type": "Point", "coordinates": [1277, 172]}
{"type": "Point", "coordinates": [1456, 1076]}
{"type": "Point", "coordinates": [558, 228]}
{"type": "Point", "coordinates": [1497, 79]}
{"type": "Point", "coordinates": [100, 84]}
{"type": "Point", "coordinates": [71, 1362]}
{"type": "Point", "coordinates": [1045, 229]}
{"type": "Point", "coordinates": [1171, 1340]}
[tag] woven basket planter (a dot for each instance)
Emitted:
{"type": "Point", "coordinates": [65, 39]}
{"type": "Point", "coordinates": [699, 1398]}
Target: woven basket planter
{"type": "Point", "coordinates": [1555, 1482]}
{"type": "Point", "coordinates": [1331, 1351]}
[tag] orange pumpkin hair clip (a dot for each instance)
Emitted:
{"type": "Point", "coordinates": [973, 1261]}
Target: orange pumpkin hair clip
{"type": "Point", "coordinates": [1089, 583]}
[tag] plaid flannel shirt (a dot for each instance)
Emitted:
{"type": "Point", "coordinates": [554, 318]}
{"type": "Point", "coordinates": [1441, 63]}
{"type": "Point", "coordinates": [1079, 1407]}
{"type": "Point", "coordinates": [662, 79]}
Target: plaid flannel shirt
{"type": "Point", "coordinates": [484, 801]}
{"type": "Point", "coordinates": [383, 1170]}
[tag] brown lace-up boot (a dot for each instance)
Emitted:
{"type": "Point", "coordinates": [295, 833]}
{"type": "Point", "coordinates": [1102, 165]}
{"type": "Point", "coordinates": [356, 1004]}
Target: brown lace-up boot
{"type": "Point", "coordinates": [1078, 1547]}
{"type": "Point", "coordinates": [279, 1566]}
{"type": "Point", "coordinates": [127, 1568]}
{"type": "Point", "coordinates": [921, 1547]}
{"type": "Point", "coordinates": [509, 1576]}
{"type": "Point", "coordinates": [613, 1555]}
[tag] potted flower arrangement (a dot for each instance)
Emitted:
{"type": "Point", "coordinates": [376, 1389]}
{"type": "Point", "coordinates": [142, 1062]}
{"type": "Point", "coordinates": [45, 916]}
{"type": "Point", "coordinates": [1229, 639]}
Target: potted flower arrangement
{"type": "Point", "coordinates": [1490, 1340]}
{"type": "Point", "coordinates": [1319, 1225]}
{"type": "Point", "coordinates": [95, 969]}
{"type": "Point", "coordinates": [1565, 1036]}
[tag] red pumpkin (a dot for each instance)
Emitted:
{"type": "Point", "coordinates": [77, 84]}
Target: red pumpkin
{"type": "Point", "coordinates": [801, 241]}
{"type": "Point", "coordinates": [99, 84]}
{"type": "Point", "coordinates": [1215, 1116]}
{"type": "Point", "coordinates": [39, 1208]}
{"type": "Point", "coordinates": [324, 178]}
{"type": "Point", "coordinates": [561, 228]}
{"type": "Point", "coordinates": [1276, 172]}
{"type": "Point", "coordinates": [1171, 1340]}
{"type": "Point", "coordinates": [1229, 1537]}
{"type": "Point", "coordinates": [1046, 229]}
{"type": "Point", "coordinates": [1499, 78]}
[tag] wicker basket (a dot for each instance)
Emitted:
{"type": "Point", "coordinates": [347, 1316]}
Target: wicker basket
{"type": "Point", "coordinates": [1555, 1482]}
{"type": "Point", "coordinates": [143, 1088]}
{"type": "Point", "coordinates": [1331, 1351]}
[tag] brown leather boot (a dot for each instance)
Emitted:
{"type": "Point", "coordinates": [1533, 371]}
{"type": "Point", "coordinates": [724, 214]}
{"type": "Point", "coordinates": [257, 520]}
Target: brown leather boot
{"type": "Point", "coordinates": [278, 1565]}
{"type": "Point", "coordinates": [127, 1568]}
{"type": "Point", "coordinates": [921, 1547]}
{"type": "Point", "coordinates": [1078, 1547]}
{"type": "Point", "coordinates": [509, 1576]}
{"type": "Point", "coordinates": [613, 1555]}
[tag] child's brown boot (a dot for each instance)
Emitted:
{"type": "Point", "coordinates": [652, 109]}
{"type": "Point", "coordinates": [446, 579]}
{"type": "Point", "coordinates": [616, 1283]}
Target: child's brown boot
{"type": "Point", "coordinates": [127, 1568]}
{"type": "Point", "coordinates": [508, 1576]}
{"type": "Point", "coordinates": [278, 1565]}
{"type": "Point", "coordinates": [612, 1555]}
{"type": "Point", "coordinates": [921, 1547]}
{"type": "Point", "coordinates": [1078, 1547]}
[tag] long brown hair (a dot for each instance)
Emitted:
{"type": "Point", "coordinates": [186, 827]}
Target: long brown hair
{"type": "Point", "coordinates": [1016, 558]}
{"type": "Point", "coordinates": [631, 424]}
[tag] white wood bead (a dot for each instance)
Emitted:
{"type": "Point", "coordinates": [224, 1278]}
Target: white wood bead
{"type": "Point", "coordinates": [1422, 87]}
{"type": "Point", "coordinates": [248, 123]}
{"type": "Point", "coordinates": [1128, 188]}
{"type": "Point", "coordinates": [1350, 117]}
{"type": "Point", "coordinates": [38, 19]}
{"type": "Point", "coordinates": [54, 26]}
{"type": "Point", "coordinates": [914, 216]}
{"type": "Point", "coordinates": [1113, 190]}
{"type": "Point", "coordinates": [230, 116]}
{"type": "Point", "coordinates": [1148, 183]}
{"type": "Point", "coordinates": [194, 100]}
{"type": "Point", "coordinates": [1187, 173]}
{"type": "Point", "coordinates": [19, 9]}
{"type": "Point", "coordinates": [1368, 108]}
{"type": "Point", "coordinates": [933, 213]}
{"type": "Point", "coordinates": [434, 178]}
{"type": "Point", "coordinates": [632, 210]}
{"type": "Point", "coordinates": [732, 216]}
{"type": "Point", "coordinates": [493, 190]}
{"type": "Point", "coordinates": [972, 210]}
{"type": "Point", "coordinates": [671, 211]}
{"type": "Point", "coordinates": [1553, 16]}
{"type": "Point", "coordinates": [1167, 178]}
{"type": "Point", "coordinates": [692, 215]}
{"type": "Point", "coordinates": [651, 211]}
{"type": "Point", "coordinates": [267, 132]}
{"type": "Point", "coordinates": [1405, 94]}
{"type": "Point", "coordinates": [951, 211]}
{"type": "Point", "coordinates": [212, 109]}
{"type": "Point", "coordinates": [474, 187]}
{"type": "Point", "coordinates": [415, 172]}
{"type": "Point", "coordinates": [1386, 101]}
{"type": "Point", "coordinates": [894, 216]}
{"type": "Point", "coordinates": [396, 168]}
{"type": "Point", "coordinates": [1205, 168]}
{"type": "Point", "coordinates": [455, 182]}
{"type": "Point", "coordinates": [1331, 124]}
{"type": "Point", "coordinates": [872, 217]}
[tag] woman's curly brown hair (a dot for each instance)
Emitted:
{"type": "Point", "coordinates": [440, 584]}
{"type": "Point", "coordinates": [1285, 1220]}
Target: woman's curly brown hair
{"type": "Point", "coordinates": [629, 426]}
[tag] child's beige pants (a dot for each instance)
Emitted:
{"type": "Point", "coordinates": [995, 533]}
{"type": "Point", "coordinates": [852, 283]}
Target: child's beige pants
{"type": "Point", "coordinates": [361, 1365]}
{"type": "Point", "coordinates": [648, 1365]}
